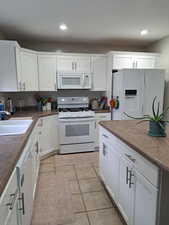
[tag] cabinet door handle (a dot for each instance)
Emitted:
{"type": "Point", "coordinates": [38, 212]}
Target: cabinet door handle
{"type": "Point", "coordinates": [24, 86]}
{"type": "Point", "coordinates": [130, 178]}
{"type": "Point", "coordinates": [37, 148]}
{"type": "Point", "coordinates": [104, 149]}
{"type": "Point", "coordinates": [105, 136]}
{"type": "Point", "coordinates": [75, 66]}
{"type": "Point", "coordinates": [95, 125]}
{"type": "Point", "coordinates": [72, 65]}
{"type": "Point", "coordinates": [20, 85]}
{"type": "Point", "coordinates": [55, 86]}
{"type": "Point", "coordinates": [127, 175]}
{"type": "Point", "coordinates": [23, 204]}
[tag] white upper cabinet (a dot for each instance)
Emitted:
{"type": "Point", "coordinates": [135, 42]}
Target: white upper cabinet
{"type": "Point", "coordinates": [29, 71]}
{"type": "Point", "coordinates": [73, 64]}
{"type": "Point", "coordinates": [123, 61]}
{"type": "Point", "coordinates": [9, 66]}
{"type": "Point", "coordinates": [47, 72]}
{"type": "Point", "coordinates": [131, 60]}
{"type": "Point", "coordinates": [99, 73]}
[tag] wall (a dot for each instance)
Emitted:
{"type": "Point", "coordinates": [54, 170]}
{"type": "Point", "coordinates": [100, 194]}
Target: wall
{"type": "Point", "coordinates": [21, 99]}
{"type": "Point", "coordinates": [2, 36]}
{"type": "Point", "coordinates": [80, 47]}
{"type": "Point", "coordinates": [162, 47]}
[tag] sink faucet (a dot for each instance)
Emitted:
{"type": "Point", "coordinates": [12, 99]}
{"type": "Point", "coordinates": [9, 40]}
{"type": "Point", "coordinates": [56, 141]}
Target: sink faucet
{"type": "Point", "coordinates": [4, 115]}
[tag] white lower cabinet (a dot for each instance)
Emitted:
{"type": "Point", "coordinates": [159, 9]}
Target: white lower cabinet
{"type": "Point", "coordinates": [100, 117]}
{"type": "Point", "coordinates": [125, 189]}
{"type": "Point", "coordinates": [48, 140]}
{"type": "Point", "coordinates": [132, 189]}
{"type": "Point", "coordinates": [144, 201]}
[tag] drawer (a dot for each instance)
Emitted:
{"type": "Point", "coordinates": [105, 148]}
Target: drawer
{"type": "Point", "coordinates": [8, 198]}
{"type": "Point", "coordinates": [103, 116]}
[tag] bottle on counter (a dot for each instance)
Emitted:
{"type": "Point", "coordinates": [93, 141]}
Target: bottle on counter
{"type": "Point", "coordinates": [10, 107]}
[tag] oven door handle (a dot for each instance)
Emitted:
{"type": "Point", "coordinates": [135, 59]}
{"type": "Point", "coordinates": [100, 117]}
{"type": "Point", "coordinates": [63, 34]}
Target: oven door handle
{"type": "Point", "coordinates": [78, 120]}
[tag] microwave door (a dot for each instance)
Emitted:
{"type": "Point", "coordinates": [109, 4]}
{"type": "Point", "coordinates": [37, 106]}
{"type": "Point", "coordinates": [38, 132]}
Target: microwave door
{"type": "Point", "coordinates": [71, 82]}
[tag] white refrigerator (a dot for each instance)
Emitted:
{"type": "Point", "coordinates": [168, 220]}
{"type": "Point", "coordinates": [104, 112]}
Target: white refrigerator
{"type": "Point", "coordinates": [136, 89]}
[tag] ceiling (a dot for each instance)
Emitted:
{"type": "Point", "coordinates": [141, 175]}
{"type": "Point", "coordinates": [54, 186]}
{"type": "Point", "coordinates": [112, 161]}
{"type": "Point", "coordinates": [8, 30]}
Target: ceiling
{"type": "Point", "coordinates": [89, 21]}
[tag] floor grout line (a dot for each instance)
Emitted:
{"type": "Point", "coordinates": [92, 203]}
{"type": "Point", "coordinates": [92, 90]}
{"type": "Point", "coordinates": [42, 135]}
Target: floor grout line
{"type": "Point", "coordinates": [82, 197]}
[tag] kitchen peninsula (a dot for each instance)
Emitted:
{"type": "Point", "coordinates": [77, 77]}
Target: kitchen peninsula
{"type": "Point", "coordinates": [135, 170]}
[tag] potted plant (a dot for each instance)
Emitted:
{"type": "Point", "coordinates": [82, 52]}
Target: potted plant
{"type": "Point", "coordinates": [157, 122]}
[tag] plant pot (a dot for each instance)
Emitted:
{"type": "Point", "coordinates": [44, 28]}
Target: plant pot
{"type": "Point", "coordinates": [155, 130]}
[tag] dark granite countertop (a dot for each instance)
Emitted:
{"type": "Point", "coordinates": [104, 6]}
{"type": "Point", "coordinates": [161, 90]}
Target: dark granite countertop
{"type": "Point", "coordinates": [155, 149]}
{"type": "Point", "coordinates": [12, 146]}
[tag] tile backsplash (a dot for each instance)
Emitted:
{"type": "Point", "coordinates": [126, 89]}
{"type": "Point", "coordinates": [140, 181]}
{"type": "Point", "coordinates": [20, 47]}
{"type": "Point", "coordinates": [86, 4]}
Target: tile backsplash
{"type": "Point", "coordinates": [21, 99]}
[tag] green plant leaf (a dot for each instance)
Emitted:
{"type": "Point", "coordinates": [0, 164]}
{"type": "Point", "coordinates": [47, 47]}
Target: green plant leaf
{"type": "Point", "coordinates": [162, 126]}
{"type": "Point", "coordinates": [164, 112]}
{"type": "Point", "coordinates": [158, 109]}
{"type": "Point", "coordinates": [153, 106]}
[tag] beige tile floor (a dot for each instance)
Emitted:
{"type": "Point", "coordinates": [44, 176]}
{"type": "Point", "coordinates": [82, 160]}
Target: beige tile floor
{"type": "Point", "coordinates": [69, 192]}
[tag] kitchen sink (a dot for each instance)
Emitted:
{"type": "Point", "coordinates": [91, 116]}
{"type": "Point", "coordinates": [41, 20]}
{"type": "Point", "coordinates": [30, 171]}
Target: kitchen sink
{"type": "Point", "coordinates": [14, 127]}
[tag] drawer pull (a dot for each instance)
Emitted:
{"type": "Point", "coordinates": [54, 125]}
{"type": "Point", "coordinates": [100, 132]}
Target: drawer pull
{"type": "Point", "coordinates": [130, 157]}
{"type": "Point", "coordinates": [13, 198]}
{"type": "Point", "coordinates": [105, 136]}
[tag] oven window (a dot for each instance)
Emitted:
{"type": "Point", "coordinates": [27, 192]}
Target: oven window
{"type": "Point", "coordinates": [69, 81]}
{"type": "Point", "coordinates": [77, 130]}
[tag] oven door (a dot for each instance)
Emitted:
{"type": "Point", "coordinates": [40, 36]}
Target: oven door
{"type": "Point", "coordinates": [78, 130]}
{"type": "Point", "coordinates": [70, 81]}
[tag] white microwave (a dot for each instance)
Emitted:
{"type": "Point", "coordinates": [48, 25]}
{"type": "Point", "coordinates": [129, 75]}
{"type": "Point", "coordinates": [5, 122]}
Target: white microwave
{"type": "Point", "coordinates": [74, 81]}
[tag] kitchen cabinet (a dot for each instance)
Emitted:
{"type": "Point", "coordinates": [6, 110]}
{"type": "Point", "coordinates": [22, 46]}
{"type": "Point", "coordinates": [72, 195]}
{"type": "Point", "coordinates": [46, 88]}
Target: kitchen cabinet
{"type": "Point", "coordinates": [131, 60]}
{"type": "Point", "coordinates": [100, 117]}
{"type": "Point", "coordinates": [26, 188]}
{"type": "Point", "coordinates": [29, 71]}
{"type": "Point", "coordinates": [145, 201]}
{"type": "Point", "coordinates": [99, 73]}
{"type": "Point", "coordinates": [109, 168]}
{"type": "Point", "coordinates": [47, 72]}
{"type": "Point", "coordinates": [73, 64]}
{"type": "Point", "coordinates": [48, 139]}
{"type": "Point", "coordinates": [9, 208]}
{"type": "Point", "coordinates": [125, 190]}
{"type": "Point", "coordinates": [9, 66]}
{"type": "Point", "coordinates": [131, 180]}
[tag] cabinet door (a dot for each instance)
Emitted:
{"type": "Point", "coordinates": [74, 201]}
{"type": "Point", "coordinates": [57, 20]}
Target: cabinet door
{"type": "Point", "coordinates": [145, 62]}
{"type": "Point", "coordinates": [65, 64]}
{"type": "Point", "coordinates": [26, 183]}
{"type": "Point", "coordinates": [49, 135]}
{"type": "Point", "coordinates": [14, 216]}
{"type": "Point", "coordinates": [99, 73]}
{"type": "Point", "coordinates": [123, 62]}
{"type": "Point", "coordinates": [125, 190]}
{"type": "Point", "coordinates": [29, 71]}
{"type": "Point", "coordinates": [100, 117]}
{"type": "Point", "coordinates": [47, 73]}
{"type": "Point", "coordinates": [145, 201]}
{"type": "Point", "coordinates": [82, 64]}
{"type": "Point", "coordinates": [36, 163]}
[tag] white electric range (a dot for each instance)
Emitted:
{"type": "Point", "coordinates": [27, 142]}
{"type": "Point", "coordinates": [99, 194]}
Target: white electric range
{"type": "Point", "coordinates": [76, 125]}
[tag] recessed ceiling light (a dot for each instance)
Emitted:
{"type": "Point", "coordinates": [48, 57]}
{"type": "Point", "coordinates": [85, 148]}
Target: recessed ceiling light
{"type": "Point", "coordinates": [144, 32]}
{"type": "Point", "coordinates": [63, 27]}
